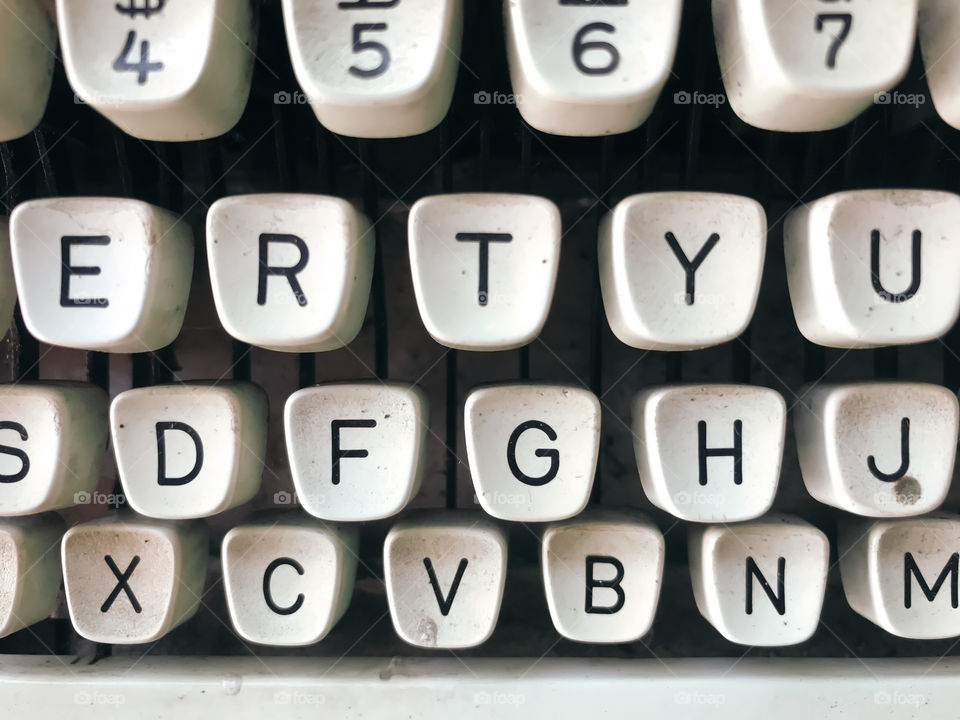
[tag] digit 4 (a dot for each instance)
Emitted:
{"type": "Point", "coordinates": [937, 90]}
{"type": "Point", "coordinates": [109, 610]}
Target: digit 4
{"type": "Point", "coordinates": [143, 66]}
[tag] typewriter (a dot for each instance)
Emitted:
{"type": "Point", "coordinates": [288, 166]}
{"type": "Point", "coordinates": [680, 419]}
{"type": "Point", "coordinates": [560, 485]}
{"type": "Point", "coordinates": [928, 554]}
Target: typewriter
{"type": "Point", "coordinates": [458, 358]}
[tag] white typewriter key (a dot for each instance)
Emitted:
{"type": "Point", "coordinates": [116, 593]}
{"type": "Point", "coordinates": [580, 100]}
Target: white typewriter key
{"type": "Point", "coordinates": [710, 453]}
{"type": "Point", "coordinates": [882, 449]}
{"type": "Point", "coordinates": [532, 449]}
{"type": "Point", "coordinates": [602, 573]}
{"type": "Point", "coordinates": [290, 272]}
{"type": "Point", "coordinates": [815, 65]}
{"type": "Point", "coordinates": [28, 50]}
{"type": "Point", "coordinates": [375, 68]}
{"type": "Point", "coordinates": [356, 450]}
{"type": "Point", "coordinates": [161, 69]}
{"type": "Point", "coordinates": [581, 67]}
{"type": "Point", "coordinates": [939, 25]}
{"type": "Point", "coordinates": [484, 267]}
{"type": "Point", "coordinates": [874, 267]}
{"type": "Point", "coordinates": [681, 270]}
{"type": "Point", "coordinates": [445, 573]}
{"type": "Point", "coordinates": [52, 439]}
{"type": "Point", "coordinates": [189, 451]}
{"type": "Point", "coordinates": [760, 583]}
{"type": "Point", "coordinates": [288, 581]}
{"type": "Point", "coordinates": [8, 287]}
{"type": "Point", "coordinates": [129, 580]}
{"type": "Point", "coordinates": [903, 574]}
{"type": "Point", "coordinates": [29, 570]}
{"type": "Point", "coordinates": [106, 274]}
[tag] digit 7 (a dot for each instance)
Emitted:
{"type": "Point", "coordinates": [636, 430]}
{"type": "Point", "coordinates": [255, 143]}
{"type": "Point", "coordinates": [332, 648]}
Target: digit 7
{"type": "Point", "coordinates": [847, 20]}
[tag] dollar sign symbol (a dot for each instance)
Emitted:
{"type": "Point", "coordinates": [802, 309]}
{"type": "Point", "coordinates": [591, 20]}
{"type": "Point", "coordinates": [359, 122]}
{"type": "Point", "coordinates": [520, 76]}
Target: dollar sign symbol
{"type": "Point", "coordinates": [146, 9]}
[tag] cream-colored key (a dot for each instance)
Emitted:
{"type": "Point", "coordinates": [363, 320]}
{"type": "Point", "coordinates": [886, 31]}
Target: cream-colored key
{"type": "Point", "coordinates": [797, 66]}
{"type": "Point", "coordinates": [484, 267]}
{"type": "Point", "coordinates": [356, 450]}
{"type": "Point", "coordinates": [189, 451]}
{"type": "Point", "coordinates": [288, 580]}
{"type": "Point", "coordinates": [52, 439]}
{"type": "Point", "coordinates": [29, 570]}
{"type": "Point", "coordinates": [8, 286]}
{"type": "Point", "coordinates": [760, 583]}
{"type": "Point", "coordinates": [445, 573]}
{"type": "Point", "coordinates": [376, 68]}
{"type": "Point", "coordinates": [903, 574]}
{"type": "Point", "coordinates": [28, 52]}
{"type": "Point", "coordinates": [602, 572]}
{"type": "Point", "coordinates": [161, 69]}
{"type": "Point", "coordinates": [710, 453]}
{"type": "Point", "coordinates": [881, 449]}
{"type": "Point", "coordinates": [874, 267]}
{"type": "Point", "coordinates": [532, 449]}
{"type": "Point", "coordinates": [589, 68]}
{"type": "Point", "coordinates": [681, 270]}
{"type": "Point", "coordinates": [130, 580]}
{"type": "Point", "coordinates": [108, 274]}
{"type": "Point", "coordinates": [290, 272]}
{"type": "Point", "coordinates": [939, 27]}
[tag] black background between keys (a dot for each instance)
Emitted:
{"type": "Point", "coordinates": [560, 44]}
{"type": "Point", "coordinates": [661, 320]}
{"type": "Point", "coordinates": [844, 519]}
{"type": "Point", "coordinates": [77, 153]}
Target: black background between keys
{"type": "Point", "coordinates": [281, 148]}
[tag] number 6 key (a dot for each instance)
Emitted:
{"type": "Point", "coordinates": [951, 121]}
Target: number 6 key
{"type": "Point", "coordinates": [589, 67]}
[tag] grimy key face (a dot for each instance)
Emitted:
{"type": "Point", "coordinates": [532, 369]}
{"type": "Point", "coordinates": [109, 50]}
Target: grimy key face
{"type": "Point", "coordinates": [130, 582]}
{"type": "Point", "coordinates": [445, 574]}
{"type": "Point", "coordinates": [107, 274]}
{"type": "Point", "coordinates": [161, 69]}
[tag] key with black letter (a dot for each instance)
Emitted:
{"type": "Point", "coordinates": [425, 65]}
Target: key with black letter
{"type": "Point", "coordinates": [710, 453]}
{"type": "Point", "coordinates": [29, 570]}
{"type": "Point", "coordinates": [532, 449]}
{"type": "Point", "coordinates": [375, 68]}
{"type": "Point", "coordinates": [903, 574]}
{"type": "Point", "coordinates": [602, 572]}
{"type": "Point", "coordinates": [589, 67]}
{"type": "Point", "coordinates": [760, 583]}
{"type": "Point", "coordinates": [356, 450]}
{"type": "Point", "coordinates": [290, 272]}
{"type": "Point", "coordinates": [106, 274]}
{"type": "Point", "coordinates": [484, 267]}
{"type": "Point", "coordinates": [445, 573]}
{"type": "Point", "coordinates": [189, 451]}
{"type": "Point", "coordinates": [681, 270]}
{"type": "Point", "coordinates": [880, 449]}
{"type": "Point", "coordinates": [874, 267]}
{"type": "Point", "coordinates": [288, 580]}
{"type": "Point", "coordinates": [161, 69]}
{"type": "Point", "coordinates": [130, 580]}
{"type": "Point", "coordinates": [52, 439]}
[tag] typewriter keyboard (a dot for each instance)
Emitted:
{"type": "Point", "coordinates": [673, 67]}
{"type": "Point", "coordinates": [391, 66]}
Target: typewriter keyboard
{"type": "Point", "coordinates": [417, 358]}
